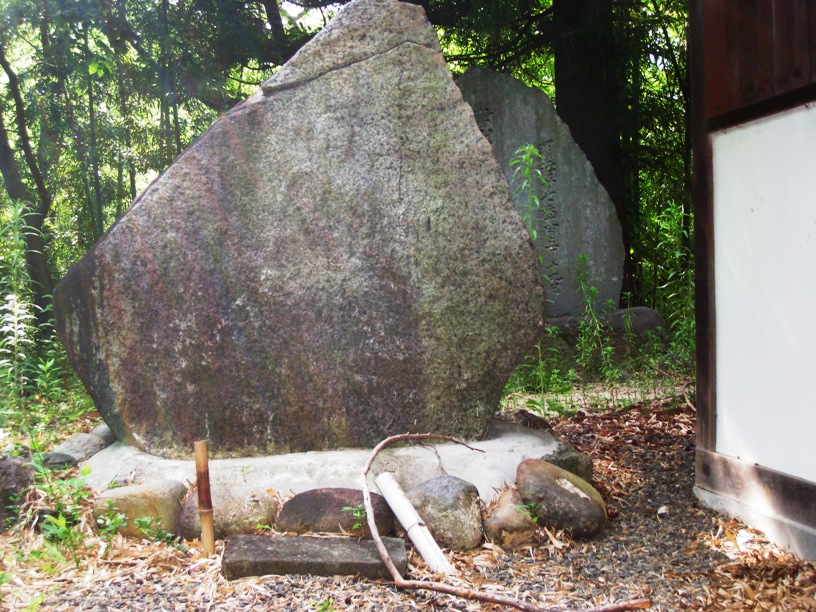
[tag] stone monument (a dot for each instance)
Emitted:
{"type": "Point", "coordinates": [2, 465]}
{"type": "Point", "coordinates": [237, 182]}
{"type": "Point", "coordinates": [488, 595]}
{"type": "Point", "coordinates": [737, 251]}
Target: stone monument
{"type": "Point", "coordinates": [335, 260]}
{"type": "Point", "coordinates": [577, 216]}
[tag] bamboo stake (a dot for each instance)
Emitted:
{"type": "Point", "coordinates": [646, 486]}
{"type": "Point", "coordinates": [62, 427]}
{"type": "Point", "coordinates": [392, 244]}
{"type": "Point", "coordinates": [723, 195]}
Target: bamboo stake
{"type": "Point", "coordinates": [205, 509]}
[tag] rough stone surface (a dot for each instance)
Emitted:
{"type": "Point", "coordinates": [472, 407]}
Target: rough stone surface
{"type": "Point", "coordinates": [563, 455]}
{"type": "Point", "coordinates": [105, 432]}
{"type": "Point", "coordinates": [332, 262]}
{"type": "Point", "coordinates": [507, 522]}
{"type": "Point", "coordinates": [450, 508]}
{"type": "Point", "coordinates": [161, 498]}
{"type": "Point", "coordinates": [561, 499]}
{"type": "Point", "coordinates": [579, 216]}
{"type": "Point", "coordinates": [236, 510]}
{"type": "Point", "coordinates": [58, 461]}
{"type": "Point", "coordinates": [247, 555]}
{"type": "Point", "coordinates": [321, 510]}
{"type": "Point", "coordinates": [15, 476]}
{"type": "Point", "coordinates": [81, 446]}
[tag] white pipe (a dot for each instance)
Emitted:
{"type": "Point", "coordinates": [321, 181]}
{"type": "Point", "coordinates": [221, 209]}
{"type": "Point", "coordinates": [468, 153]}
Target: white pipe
{"type": "Point", "coordinates": [412, 523]}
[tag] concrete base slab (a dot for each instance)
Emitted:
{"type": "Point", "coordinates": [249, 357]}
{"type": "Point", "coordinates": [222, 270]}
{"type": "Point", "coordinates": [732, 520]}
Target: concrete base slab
{"type": "Point", "coordinates": [251, 555]}
{"type": "Point", "coordinates": [505, 446]}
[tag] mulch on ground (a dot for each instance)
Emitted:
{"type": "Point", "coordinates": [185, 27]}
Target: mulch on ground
{"type": "Point", "coordinates": [659, 544]}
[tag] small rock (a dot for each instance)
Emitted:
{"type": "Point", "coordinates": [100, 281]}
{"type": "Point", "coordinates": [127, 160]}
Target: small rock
{"type": "Point", "coordinates": [248, 555]}
{"type": "Point", "coordinates": [236, 511]}
{"type": "Point", "coordinates": [567, 458]}
{"type": "Point", "coordinates": [450, 508]}
{"type": "Point", "coordinates": [59, 461]}
{"type": "Point", "coordinates": [81, 446]}
{"type": "Point", "coordinates": [161, 498]}
{"type": "Point", "coordinates": [321, 510]}
{"type": "Point", "coordinates": [561, 499]}
{"type": "Point", "coordinates": [15, 477]}
{"type": "Point", "coordinates": [106, 433]}
{"type": "Point", "coordinates": [508, 522]}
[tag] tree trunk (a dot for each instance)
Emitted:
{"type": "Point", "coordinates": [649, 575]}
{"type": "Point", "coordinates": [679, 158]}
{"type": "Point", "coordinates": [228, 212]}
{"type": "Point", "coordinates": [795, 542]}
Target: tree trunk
{"type": "Point", "coordinates": [42, 285]}
{"type": "Point", "coordinates": [586, 87]}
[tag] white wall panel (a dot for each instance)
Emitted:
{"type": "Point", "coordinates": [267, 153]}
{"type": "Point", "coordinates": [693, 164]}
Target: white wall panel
{"type": "Point", "coordinates": [764, 176]}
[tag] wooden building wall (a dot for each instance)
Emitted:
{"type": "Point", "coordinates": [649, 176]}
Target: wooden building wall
{"type": "Point", "coordinates": [751, 60]}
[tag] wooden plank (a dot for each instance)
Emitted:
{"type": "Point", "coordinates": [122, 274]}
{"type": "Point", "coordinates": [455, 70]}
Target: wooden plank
{"type": "Point", "coordinates": [781, 34]}
{"type": "Point", "coordinates": [745, 15]}
{"type": "Point", "coordinates": [782, 494]}
{"type": "Point", "coordinates": [811, 20]}
{"type": "Point", "coordinates": [701, 109]}
{"type": "Point", "coordinates": [715, 50]}
{"type": "Point", "coordinates": [764, 49]}
{"type": "Point", "coordinates": [800, 42]}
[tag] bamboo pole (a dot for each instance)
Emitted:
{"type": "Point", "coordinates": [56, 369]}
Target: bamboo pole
{"type": "Point", "coordinates": [205, 509]}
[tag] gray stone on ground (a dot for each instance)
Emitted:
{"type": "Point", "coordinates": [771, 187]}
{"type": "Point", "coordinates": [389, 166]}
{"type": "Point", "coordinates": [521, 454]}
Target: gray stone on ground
{"type": "Point", "coordinates": [237, 510]}
{"type": "Point", "coordinates": [639, 319]}
{"type": "Point", "coordinates": [332, 262]}
{"type": "Point", "coordinates": [508, 523]}
{"type": "Point", "coordinates": [81, 446]}
{"type": "Point", "coordinates": [247, 555]}
{"type": "Point", "coordinates": [450, 508]}
{"type": "Point", "coordinates": [105, 432]}
{"type": "Point", "coordinates": [161, 499]}
{"type": "Point", "coordinates": [321, 510]}
{"type": "Point", "coordinates": [15, 476]}
{"type": "Point", "coordinates": [55, 460]}
{"type": "Point", "coordinates": [560, 499]}
{"type": "Point", "coordinates": [563, 455]}
{"type": "Point", "coordinates": [579, 217]}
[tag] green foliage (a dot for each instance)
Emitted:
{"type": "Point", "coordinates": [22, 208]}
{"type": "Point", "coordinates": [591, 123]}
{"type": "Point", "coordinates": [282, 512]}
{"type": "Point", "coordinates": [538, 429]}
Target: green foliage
{"type": "Point", "coordinates": [325, 606]}
{"type": "Point", "coordinates": [151, 528]}
{"type": "Point", "coordinates": [531, 509]}
{"type": "Point", "coordinates": [544, 371]}
{"type": "Point", "coordinates": [529, 185]}
{"type": "Point", "coordinates": [595, 352]}
{"type": "Point", "coordinates": [64, 500]}
{"type": "Point", "coordinates": [359, 513]}
{"type": "Point", "coordinates": [38, 390]}
{"type": "Point", "coordinates": [111, 522]}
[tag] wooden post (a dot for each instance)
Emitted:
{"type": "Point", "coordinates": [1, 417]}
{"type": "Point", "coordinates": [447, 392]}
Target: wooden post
{"type": "Point", "coordinates": [205, 509]}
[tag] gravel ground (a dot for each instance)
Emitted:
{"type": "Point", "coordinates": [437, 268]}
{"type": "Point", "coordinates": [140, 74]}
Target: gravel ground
{"type": "Point", "coordinates": [659, 544]}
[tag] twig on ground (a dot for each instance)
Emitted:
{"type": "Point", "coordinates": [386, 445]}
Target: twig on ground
{"type": "Point", "coordinates": [440, 587]}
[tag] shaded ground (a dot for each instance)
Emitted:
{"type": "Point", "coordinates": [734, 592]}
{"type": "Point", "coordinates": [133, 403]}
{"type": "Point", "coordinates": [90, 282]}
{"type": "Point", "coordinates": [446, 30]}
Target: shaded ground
{"type": "Point", "coordinates": [659, 544]}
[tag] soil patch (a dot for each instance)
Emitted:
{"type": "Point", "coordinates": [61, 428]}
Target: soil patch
{"type": "Point", "coordinates": [659, 544]}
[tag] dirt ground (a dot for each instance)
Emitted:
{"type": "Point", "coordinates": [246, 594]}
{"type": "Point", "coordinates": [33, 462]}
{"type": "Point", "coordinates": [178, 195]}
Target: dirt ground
{"type": "Point", "coordinates": [659, 545]}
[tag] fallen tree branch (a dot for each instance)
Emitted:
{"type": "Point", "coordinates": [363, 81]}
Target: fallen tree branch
{"type": "Point", "coordinates": [441, 587]}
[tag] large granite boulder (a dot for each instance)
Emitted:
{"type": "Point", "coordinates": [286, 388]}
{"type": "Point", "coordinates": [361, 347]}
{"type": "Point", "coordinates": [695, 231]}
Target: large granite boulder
{"type": "Point", "coordinates": [336, 260]}
{"type": "Point", "coordinates": [577, 216]}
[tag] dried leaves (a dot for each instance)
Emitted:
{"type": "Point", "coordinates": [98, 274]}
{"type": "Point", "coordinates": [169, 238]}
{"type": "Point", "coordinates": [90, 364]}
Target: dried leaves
{"type": "Point", "coordinates": [683, 558]}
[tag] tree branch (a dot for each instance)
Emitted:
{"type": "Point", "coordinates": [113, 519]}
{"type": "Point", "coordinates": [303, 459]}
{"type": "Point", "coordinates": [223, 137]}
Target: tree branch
{"type": "Point", "coordinates": [22, 131]}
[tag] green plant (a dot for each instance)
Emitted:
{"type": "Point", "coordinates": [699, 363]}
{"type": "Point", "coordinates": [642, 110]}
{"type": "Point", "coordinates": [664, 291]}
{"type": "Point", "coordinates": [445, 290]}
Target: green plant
{"type": "Point", "coordinates": [594, 350]}
{"type": "Point", "coordinates": [359, 514]}
{"type": "Point", "coordinates": [64, 532]}
{"type": "Point", "coordinates": [528, 184]}
{"type": "Point", "coordinates": [151, 528]}
{"type": "Point", "coordinates": [326, 606]}
{"type": "Point", "coordinates": [110, 522]}
{"type": "Point", "coordinates": [16, 341]}
{"type": "Point", "coordinates": [531, 509]}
